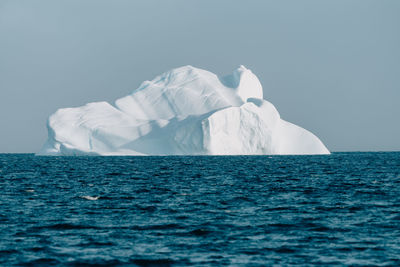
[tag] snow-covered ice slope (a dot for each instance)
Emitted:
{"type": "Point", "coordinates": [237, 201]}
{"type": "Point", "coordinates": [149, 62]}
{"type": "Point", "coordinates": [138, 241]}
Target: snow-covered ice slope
{"type": "Point", "coordinates": [185, 111]}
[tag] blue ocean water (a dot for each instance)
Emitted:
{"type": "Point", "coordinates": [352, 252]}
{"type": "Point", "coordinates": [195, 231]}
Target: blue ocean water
{"type": "Point", "coordinates": [341, 209]}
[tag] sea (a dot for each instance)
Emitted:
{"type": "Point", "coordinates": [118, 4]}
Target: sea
{"type": "Point", "coordinates": [341, 209]}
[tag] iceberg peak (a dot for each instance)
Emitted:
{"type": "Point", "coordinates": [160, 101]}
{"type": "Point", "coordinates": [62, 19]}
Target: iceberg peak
{"type": "Point", "coordinates": [244, 82]}
{"type": "Point", "coordinates": [186, 110]}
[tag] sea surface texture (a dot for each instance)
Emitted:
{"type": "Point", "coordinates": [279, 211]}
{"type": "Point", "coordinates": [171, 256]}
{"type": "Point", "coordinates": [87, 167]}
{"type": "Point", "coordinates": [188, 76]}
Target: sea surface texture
{"type": "Point", "coordinates": [339, 209]}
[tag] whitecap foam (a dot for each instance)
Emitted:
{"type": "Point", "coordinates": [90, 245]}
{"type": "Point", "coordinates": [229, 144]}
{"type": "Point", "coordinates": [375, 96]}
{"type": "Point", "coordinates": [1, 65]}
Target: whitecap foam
{"type": "Point", "coordinates": [90, 197]}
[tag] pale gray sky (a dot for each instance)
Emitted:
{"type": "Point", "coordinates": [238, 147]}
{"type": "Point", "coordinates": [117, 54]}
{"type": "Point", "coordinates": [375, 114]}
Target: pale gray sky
{"type": "Point", "coordinates": [332, 67]}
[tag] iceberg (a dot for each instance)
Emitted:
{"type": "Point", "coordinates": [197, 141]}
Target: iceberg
{"type": "Point", "coordinates": [185, 111]}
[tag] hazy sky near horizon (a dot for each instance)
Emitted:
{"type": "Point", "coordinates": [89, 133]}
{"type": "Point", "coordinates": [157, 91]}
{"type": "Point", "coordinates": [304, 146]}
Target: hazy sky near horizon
{"type": "Point", "coordinates": [332, 67]}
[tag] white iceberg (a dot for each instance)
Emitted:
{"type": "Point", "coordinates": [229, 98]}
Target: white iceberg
{"type": "Point", "coordinates": [185, 111]}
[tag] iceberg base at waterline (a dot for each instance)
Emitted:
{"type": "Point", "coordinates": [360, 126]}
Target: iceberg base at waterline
{"type": "Point", "coordinates": [185, 111]}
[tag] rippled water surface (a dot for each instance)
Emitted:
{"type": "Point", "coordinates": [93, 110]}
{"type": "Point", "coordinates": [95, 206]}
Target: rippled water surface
{"type": "Point", "coordinates": [240, 210]}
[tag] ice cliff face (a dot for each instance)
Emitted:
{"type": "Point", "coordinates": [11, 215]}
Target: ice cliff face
{"type": "Point", "coordinates": [185, 111]}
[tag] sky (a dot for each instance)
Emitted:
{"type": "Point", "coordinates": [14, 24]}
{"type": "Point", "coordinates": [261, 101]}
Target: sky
{"type": "Point", "coordinates": [332, 67]}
